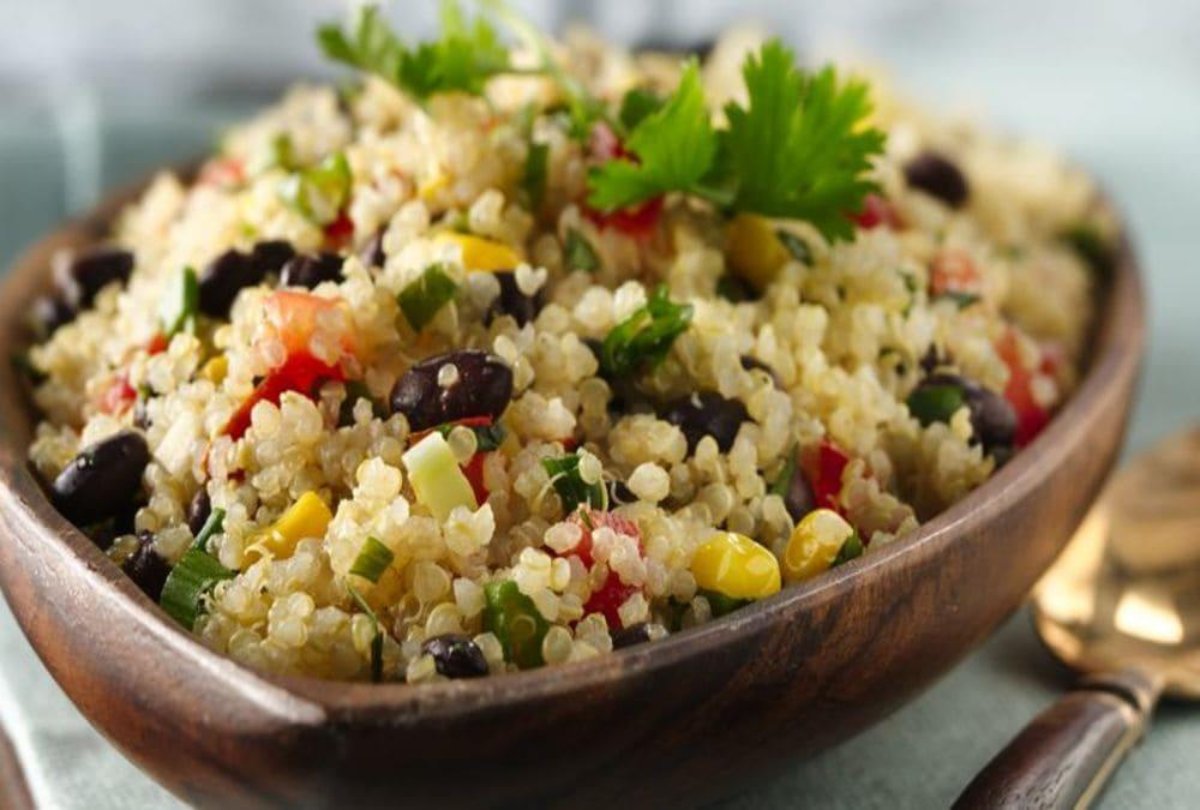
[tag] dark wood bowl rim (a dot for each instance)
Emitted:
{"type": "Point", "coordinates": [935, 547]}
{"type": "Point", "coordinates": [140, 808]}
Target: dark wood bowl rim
{"type": "Point", "coordinates": [300, 699]}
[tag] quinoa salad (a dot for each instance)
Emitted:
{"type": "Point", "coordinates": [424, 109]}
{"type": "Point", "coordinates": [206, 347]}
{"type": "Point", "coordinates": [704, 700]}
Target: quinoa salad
{"type": "Point", "coordinates": [510, 352]}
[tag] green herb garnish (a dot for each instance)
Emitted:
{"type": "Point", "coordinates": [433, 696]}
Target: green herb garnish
{"type": "Point", "coordinates": [422, 298]}
{"type": "Point", "coordinates": [356, 390]}
{"type": "Point", "coordinates": [961, 299]}
{"type": "Point", "coordinates": [800, 149]}
{"type": "Point", "coordinates": [534, 181]}
{"type": "Point", "coordinates": [211, 528]}
{"type": "Point", "coordinates": [319, 193]}
{"type": "Point", "coordinates": [783, 481]}
{"type": "Point", "coordinates": [642, 340]}
{"type": "Point", "coordinates": [181, 304]}
{"type": "Point", "coordinates": [852, 548]}
{"type": "Point", "coordinates": [516, 623]}
{"type": "Point", "coordinates": [376, 639]}
{"type": "Point", "coordinates": [372, 560]}
{"type": "Point", "coordinates": [722, 605]}
{"type": "Point", "coordinates": [935, 403]}
{"type": "Point", "coordinates": [189, 582]}
{"type": "Point", "coordinates": [570, 486]}
{"type": "Point", "coordinates": [578, 253]}
{"type": "Point", "coordinates": [1087, 241]}
{"type": "Point", "coordinates": [637, 105]}
{"type": "Point", "coordinates": [467, 54]}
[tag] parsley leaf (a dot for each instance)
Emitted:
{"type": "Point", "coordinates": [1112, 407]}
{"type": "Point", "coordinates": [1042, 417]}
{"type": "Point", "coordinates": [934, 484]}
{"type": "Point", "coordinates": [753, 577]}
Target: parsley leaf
{"type": "Point", "coordinates": [463, 59]}
{"type": "Point", "coordinates": [643, 339]}
{"type": "Point", "coordinates": [799, 150]}
{"type": "Point", "coordinates": [676, 147]}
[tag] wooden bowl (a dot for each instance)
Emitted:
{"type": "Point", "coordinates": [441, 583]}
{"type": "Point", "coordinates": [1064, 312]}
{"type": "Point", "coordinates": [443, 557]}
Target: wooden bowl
{"type": "Point", "coordinates": [672, 722]}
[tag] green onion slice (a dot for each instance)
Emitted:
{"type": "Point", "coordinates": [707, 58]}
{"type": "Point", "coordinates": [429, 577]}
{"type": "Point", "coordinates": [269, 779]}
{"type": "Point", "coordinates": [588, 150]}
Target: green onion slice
{"type": "Point", "coordinates": [570, 486]}
{"type": "Point", "coordinates": [188, 583]}
{"type": "Point", "coordinates": [211, 527]}
{"type": "Point", "coordinates": [579, 254]}
{"type": "Point", "coordinates": [935, 403]}
{"type": "Point", "coordinates": [643, 340]}
{"type": "Point", "coordinates": [516, 622]}
{"type": "Point", "coordinates": [852, 548]}
{"type": "Point", "coordinates": [534, 181]}
{"type": "Point", "coordinates": [319, 193]}
{"type": "Point", "coordinates": [376, 640]}
{"type": "Point", "coordinates": [421, 299]}
{"type": "Point", "coordinates": [181, 303]}
{"type": "Point", "coordinates": [372, 560]}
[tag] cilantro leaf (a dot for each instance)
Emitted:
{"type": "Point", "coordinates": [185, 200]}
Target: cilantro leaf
{"type": "Point", "coordinates": [676, 146]}
{"type": "Point", "coordinates": [799, 150]}
{"type": "Point", "coordinates": [643, 340]}
{"type": "Point", "coordinates": [463, 59]}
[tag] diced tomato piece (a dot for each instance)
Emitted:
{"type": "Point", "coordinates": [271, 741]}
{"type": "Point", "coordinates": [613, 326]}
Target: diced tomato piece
{"type": "Point", "coordinates": [118, 397]}
{"type": "Point", "coordinates": [824, 467]}
{"type": "Point", "coordinates": [591, 519]}
{"type": "Point", "coordinates": [222, 172]}
{"type": "Point", "coordinates": [877, 211]}
{"type": "Point", "coordinates": [300, 372]}
{"type": "Point", "coordinates": [339, 232]}
{"type": "Point", "coordinates": [953, 271]}
{"type": "Point", "coordinates": [1031, 417]}
{"type": "Point", "coordinates": [293, 316]}
{"type": "Point", "coordinates": [158, 344]}
{"type": "Point", "coordinates": [608, 599]}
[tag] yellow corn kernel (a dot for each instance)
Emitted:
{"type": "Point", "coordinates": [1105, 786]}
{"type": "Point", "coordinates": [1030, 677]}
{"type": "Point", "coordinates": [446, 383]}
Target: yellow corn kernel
{"type": "Point", "coordinates": [483, 255]}
{"type": "Point", "coordinates": [307, 517]}
{"type": "Point", "coordinates": [432, 186]}
{"type": "Point", "coordinates": [215, 369]}
{"type": "Point", "coordinates": [734, 565]}
{"type": "Point", "coordinates": [814, 544]}
{"type": "Point", "coordinates": [754, 250]}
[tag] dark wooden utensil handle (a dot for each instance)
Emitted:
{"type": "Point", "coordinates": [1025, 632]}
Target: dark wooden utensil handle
{"type": "Point", "coordinates": [1064, 757]}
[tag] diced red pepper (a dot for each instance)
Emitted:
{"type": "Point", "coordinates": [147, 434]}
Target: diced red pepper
{"type": "Point", "coordinates": [591, 519]}
{"type": "Point", "coordinates": [1031, 417]}
{"type": "Point", "coordinates": [824, 467]}
{"type": "Point", "coordinates": [339, 232]}
{"type": "Point", "coordinates": [118, 397]}
{"type": "Point", "coordinates": [157, 344]}
{"type": "Point", "coordinates": [877, 211]}
{"type": "Point", "coordinates": [300, 372]}
{"type": "Point", "coordinates": [954, 272]}
{"type": "Point", "coordinates": [223, 172]}
{"type": "Point", "coordinates": [608, 599]}
{"type": "Point", "coordinates": [473, 470]}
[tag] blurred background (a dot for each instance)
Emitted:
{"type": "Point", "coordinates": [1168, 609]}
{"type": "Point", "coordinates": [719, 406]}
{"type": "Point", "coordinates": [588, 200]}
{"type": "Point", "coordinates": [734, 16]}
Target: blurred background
{"type": "Point", "coordinates": [97, 93]}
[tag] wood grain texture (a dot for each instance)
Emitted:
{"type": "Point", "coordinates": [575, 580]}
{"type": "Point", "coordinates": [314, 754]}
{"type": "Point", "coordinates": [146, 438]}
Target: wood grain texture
{"type": "Point", "coordinates": [669, 723]}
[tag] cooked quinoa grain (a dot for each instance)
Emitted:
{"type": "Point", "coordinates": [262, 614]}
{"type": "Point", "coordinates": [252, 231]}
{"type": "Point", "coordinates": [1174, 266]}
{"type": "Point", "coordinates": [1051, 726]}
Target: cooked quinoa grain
{"type": "Point", "coordinates": [440, 413]}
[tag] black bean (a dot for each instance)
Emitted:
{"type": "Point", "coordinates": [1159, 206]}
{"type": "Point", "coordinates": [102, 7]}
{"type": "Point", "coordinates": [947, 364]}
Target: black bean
{"type": "Point", "coordinates": [938, 176]}
{"type": "Point", "coordinates": [511, 301]}
{"type": "Point", "coordinates": [223, 278]}
{"type": "Point", "coordinates": [993, 420]}
{"type": "Point", "coordinates": [271, 255]}
{"type": "Point", "coordinates": [456, 656]}
{"type": "Point", "coordinates": [799, 499]}
{"type": "Point", "coordinates": [49, 313]}
{"type": "Point", "coordinates": [372, 253]}
{"type": "Point", "coordinates": [483, 387]}
{"type": "Point", "coordinates": [707, 413]}
{"type": "Point", "coordinates": [630, 636]}
{"type": "Point", "coordinates": [199, 510]}
{"type": "Point", "coordinates": [81, 280]}
{"type": "Point", "coordinates": [103, 479]}
{"type": "Point", "coordinates": [309, 271]}
{"type": "Point", "coordinates": [146, 567]}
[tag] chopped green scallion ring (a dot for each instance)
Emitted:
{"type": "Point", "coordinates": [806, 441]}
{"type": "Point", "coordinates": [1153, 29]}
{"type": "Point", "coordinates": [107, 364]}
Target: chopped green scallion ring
{"type": "Point", "coordinates": [189, 583]}
{"type": "Point", "coordinates": [534, 181]}
{"type": "Point", "coordinates": [935, 403]}
{"type": "Point", "coordinates": [211, 527]}
{"type": "Point", "coordinates": [421, 299]}
{"type": "Point", "coordinates": [570, 486]}
{"type": "Point", "coordinates": [852, 548]}
{"type": "Point", "coordinates": [376, 640]}
{"type": "Point", "coordinates": [181, 303]}
{"type": "Point", "coordinates": [372, 560]}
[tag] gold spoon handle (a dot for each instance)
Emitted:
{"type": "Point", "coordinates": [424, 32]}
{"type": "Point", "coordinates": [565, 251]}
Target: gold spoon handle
{"type": "Point", "coordinates": [1064, 757]}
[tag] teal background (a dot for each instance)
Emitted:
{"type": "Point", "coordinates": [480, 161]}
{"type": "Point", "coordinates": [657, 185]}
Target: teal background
{"type": "Point", "coordinates": [92, 98]}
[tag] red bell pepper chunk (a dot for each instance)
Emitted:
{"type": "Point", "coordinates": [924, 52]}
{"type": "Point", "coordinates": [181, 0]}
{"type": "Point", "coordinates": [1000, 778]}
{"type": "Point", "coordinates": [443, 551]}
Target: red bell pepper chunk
{"type": "Point", "coordinates": [157, 345]}
{"type": "Point", "coordinates": [339, 232]}
{"type": "Point", "coordinates": [953, 271]}
{"type": "Point", "coordinates": [118, 397]}
{"type": "Point", "coordinates": [299, 372]}
{"type": "Point", "coordinates": [1031, 417]}
{"type": "Point", "coordinates": [877, 212]}
{"type": "Point", "coordinates": [473, 470]}
{"type": "Point", "coordinates": [824, 468]}
{"type": "Point", "coordinates": [608, 598]}
{"type": "Point", "coordinates": [639, 221]}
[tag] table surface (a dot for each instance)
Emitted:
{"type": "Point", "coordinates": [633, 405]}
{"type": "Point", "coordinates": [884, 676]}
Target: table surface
{"type": "Point", "coordinates": [1140, 135]}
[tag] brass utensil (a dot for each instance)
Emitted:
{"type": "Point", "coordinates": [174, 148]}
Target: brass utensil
{"type": "Point", "coordinates": [1122, 607]}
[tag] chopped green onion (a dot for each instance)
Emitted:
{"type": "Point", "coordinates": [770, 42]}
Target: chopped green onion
{"type": "Point", "coordinates": [534, 181]}
{"type": "Point", "coordinates": [516, 623]}
{"type": "Point", "coordinates": [579, 254]}
{"type": "Point", "coordinates": [181, 303]}
{"type": "Point", "coordinates": [783, 481]}
{"type": "Point", "coordinates": [376, 640]}
{"type": "Point", "coordinates": [372, 560]}
{"type": "Point", "coordinates": [642, 340]}
{"type": "Point", "coordinates": [421, 299]}
{"type": "Point", "coordinates": [487, 437]}
{"type": "Point", "coordinates": [319, 193]}
{"type": "Point", "coordinates": [795, 246]}
{"type": "Point", "coordinates": [852, 548]}
{"type": "Point", "coordinates": [961, 299]}
{"type": "Point", "coordinates": [935, 403]}
{"type": "Point", "coordinates": [722, 605]}
{"type": "Point", "coordinates": [188, 583]}
{"type": "Point", "coordinates": [570, 486]}
{"type": "Point", "coordinates": [211, 527]}
{"type": "Point", "coordinates": [637, 104]}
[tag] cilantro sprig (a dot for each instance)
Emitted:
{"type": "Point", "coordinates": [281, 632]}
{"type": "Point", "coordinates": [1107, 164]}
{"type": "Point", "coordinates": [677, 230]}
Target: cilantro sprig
{"type": "Point", "coordinates": [800, 148]}
{"type": "Point", "coordinates": [466, 55]}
